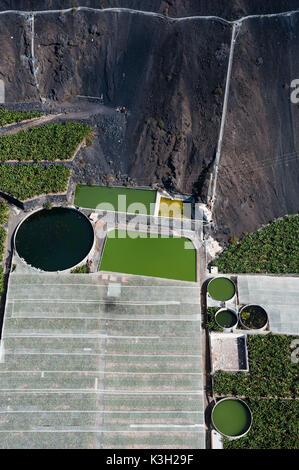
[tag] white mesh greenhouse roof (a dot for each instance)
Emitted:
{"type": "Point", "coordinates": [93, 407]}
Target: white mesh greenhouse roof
{"type": "Point", "coordinates": [279, 296]}
{"type": "Point", "coordinates": [89, 364]}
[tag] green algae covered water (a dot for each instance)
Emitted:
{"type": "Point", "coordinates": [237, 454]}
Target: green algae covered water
{"type": "Point", "coordinates": [226, 319]}
{"type": "Point", "coordinates": [139, 254]}
{"type": "Point", "coordinates": [231, 417]}
{"type": "Point", "coordinates": [54, 239]}
{"type": "Point", "coordinates": [221, 289]}
{"type": "Point", "coordinates": [116, 199]}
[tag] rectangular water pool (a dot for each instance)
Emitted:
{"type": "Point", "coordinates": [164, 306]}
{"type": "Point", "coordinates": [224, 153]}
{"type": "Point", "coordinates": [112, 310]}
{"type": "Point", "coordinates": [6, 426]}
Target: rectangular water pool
{"type": "Point", "coordinates": [108, 198]}
{"type": "Point", "coordinates": [171, 258]}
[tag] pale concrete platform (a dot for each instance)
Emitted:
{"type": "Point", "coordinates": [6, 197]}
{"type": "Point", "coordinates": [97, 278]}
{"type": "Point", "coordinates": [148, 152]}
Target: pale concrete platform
{"type": "Point", "coordinates": [228, 352]}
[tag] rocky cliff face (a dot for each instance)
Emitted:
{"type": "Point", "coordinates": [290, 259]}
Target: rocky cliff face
{"type": "Point", "coordinates": [15, 66]}
{"type": "Point", "coordinates": [259, 172]}
{"type": "Point", "coordinates": [170, 75]}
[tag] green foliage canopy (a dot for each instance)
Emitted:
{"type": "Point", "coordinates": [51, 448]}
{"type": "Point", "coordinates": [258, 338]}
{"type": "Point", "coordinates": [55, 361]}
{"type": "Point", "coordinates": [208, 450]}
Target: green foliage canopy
{"type": "Point", "coordinates": [274, 249]}
{"type": "Point", "coordinates": [274, 426]}
{"type": "Point", "coordinates": [51, 142]}
{"type": "Point", "coordinates": [29, 180]}
{"type": "Point", "coordinates": [272, 374]}
{"type": "Point", "coordinates": [10, 117]}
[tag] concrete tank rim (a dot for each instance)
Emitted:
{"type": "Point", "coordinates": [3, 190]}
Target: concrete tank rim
{"type": "Point", "coordinates": [222, 277]}
{"type": "Point", "coordinates": [245, 405]}
{"type": "Point", "coordinates": [263, 328]}
{"type": "Point", "coordinates": [39, 210]}
{"type": "Point", "coordinates": [222, 309]}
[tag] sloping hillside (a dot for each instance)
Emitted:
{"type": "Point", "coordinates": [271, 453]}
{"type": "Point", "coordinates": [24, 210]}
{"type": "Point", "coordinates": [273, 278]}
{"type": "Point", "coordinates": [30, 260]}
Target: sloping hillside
{"type": "Point", "coordinates": [176, 8]}
{"type": "Point", "coordinates": [165, 73]}
{"type": "Point", "coordinates": [259, 173]}
{"type": "Point", "coordinates": [170, 75]}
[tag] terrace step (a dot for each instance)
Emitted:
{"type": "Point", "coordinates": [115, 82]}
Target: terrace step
{"type": "Point", "coordinates": [90, 401]}
{"type": "Point", "coordinates": [50, 440]}
{"type": "Point", "coordinates": [101, 362]}
{"type": "Point", "coordinates": [98, 440]}
{"type": "Point", "coordinates": [102, 278]}
{"type": "Point", "coordinates": [107, 421]}
{"type": "Point", "coordinates": [84, 310]}
{"type": "Point", "coordinates": [55, 381]}
{"type": "Point", "coordinates": [49, 327]}
{"type": "Point", "coordinates": [142, 346]}
{"type": "Point", "coordinates": [60, 381]}
{"type": "Point", "coordinates": [92, 292]}
{"type": "Point", "coordinates": [145, 439]}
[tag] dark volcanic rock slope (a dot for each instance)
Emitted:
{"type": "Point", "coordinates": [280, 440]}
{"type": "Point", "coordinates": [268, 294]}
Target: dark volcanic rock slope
{"type": "Point", "coordinates": [231, 9]}
{"type": "Point", "coordinates": [15, 65]}
{"type": "Point", "coordinates": [259, 173]}
{"type": "Point", "coordinates": [164, 72]}
{"type": "Point", "coordinates": [171, 75]}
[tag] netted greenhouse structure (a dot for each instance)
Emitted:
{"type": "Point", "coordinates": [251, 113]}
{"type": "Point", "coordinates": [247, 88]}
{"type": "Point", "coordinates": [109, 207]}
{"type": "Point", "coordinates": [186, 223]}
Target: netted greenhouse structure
{"type": "Point", "coordinates": [101, 361]}
{"type": "Point", "coordinates": [278, 295]}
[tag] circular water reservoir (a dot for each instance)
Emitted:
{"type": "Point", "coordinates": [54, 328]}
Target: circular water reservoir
{"type": "Point", "coordinates": [221, 289]}
{"type": "Point", "coordinates": [253, 317]}
{"type": "Point", "coordinates": [226, 318]}
{"type": "Point", "coordinates": [54, 239]}
{"type": "Point", "coordinates": [231, 417]}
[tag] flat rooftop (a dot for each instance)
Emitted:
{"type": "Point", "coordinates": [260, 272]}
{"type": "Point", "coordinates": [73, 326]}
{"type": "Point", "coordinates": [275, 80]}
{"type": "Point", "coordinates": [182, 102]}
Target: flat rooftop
{"type": "Point", "coordinates": [278, 295]}
{"type": "Point", "coordinates": [101, 361]}
{"type": "Point", "coordinates": [228, 352]}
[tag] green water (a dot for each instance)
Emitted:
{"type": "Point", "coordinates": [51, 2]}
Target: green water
{"type": "Point", "coordinates": [92, 196]}
{"type": "Point", "coordinates": [55, 239]}
{"type": "Point", "coordinates": [231, 417]}
{"type": "Point", "coordinates": [226, 319]}
{"type": "Point", "coordinates": [158, 257]}
{"type": "Point", "coordinates": [221, 289]}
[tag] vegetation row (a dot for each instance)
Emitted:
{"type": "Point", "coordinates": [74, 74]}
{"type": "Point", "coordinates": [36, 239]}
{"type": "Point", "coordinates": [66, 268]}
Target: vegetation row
{"type": "Point", "coordinates": [273, 249]}
{"type": "Point", "coordinates": [51, 142]}
{"type": "Point", "coordinates": [29, 180]}
{"type": "Point", "coordinates": [211, 323]}
{"type": "Point", "coordinates": [10, 117]}
{"type": "Point", "coordinates": [274, 426]}
{"type": "Point", "coordinates": [82, 269]}
{"type": "Point", "coordinates": [272, 373]}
